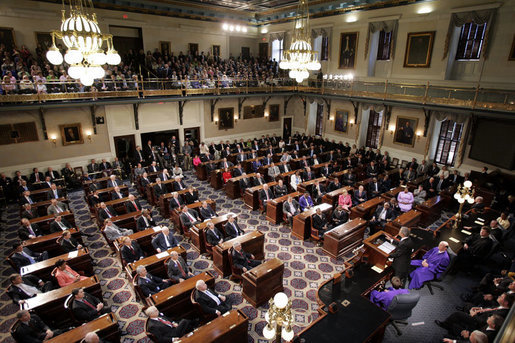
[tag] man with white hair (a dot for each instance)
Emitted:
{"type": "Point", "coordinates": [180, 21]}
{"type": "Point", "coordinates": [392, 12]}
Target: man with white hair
{"type": "Point", "coordinates": [113, 182]}
{"type": "Point", "coordinates": [132, 204]}
{"type": "Point", "coordinates": [92, 337]}
{"type": "Point", "coordinates": [164, 240]}
{"type": "Point", "coordinates": [210, 301]}
{"type": "Point", "coordinates": [150, 284]}
{"type": "Point", "coordinates": [434, 263]}
{"type": "Point", "coordinates": [178, 185]}
{"type": "Point", "coordinates": [242, 259]}
{"type": "Point", "coordinates": [178, 270]}
{"type": "Point", "coordinates": [164, 329]}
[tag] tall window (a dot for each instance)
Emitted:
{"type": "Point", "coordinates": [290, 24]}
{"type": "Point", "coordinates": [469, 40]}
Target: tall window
{"type": "Point", "coordinates": [385, 45]}
{"type": "Point", "coordinates": [375, 120]}
{"type": "Point", "coordinates": [321, 45]}
{"type": "Point", "coordinates": [448, 142]}
{"type": "Point", "coordinates": [277, 49]}
{"type": "Point", "coordinates": [471, 41]}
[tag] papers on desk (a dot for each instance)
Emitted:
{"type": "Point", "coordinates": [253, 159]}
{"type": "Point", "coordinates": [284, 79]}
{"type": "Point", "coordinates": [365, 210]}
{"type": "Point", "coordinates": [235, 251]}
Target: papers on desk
{"type": "Point", "coordinates": [157, 228]}
{"type": "Point", "coordinates": [162, 254]}
{"type": "Point", "coordinates": [466, 232]}
{"type": "Point", "coordinates": [454, 240]}
{"type": "Point", "coordinates": [23, 270]}
{"type": "Point", "coordinates": [479, 223]}
{"type": "Point", "coordinates": [73, 254]}
{"type": "Point", "coordinates": [386, 247]}
{"type": "Point", "coordinates": [377, 269]}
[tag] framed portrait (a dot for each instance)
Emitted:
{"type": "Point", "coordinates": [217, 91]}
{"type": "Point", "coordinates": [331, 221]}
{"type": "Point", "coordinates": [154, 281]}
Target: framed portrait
{"type": "Point", "coordinates": [165, 47]}
{"type": "Point", "coordinates": [341, 120]}
{"type": "Point", "coordinates": [216, 50]}
{"type": "Point", "coordinates": [7, 37]}
{"type": "Point", "coordinates": [71, 134]}
{"type": "Point", "coordinates": [512, 51]}
{"type": "Point", "coordinates": [226, 118]}
{"type": "Point", "coordinates": [273, 114]}
{"type": "Point", "coordinates": [348, 47]}
{"type": "Point", "coordinates": [253, 111]}
{"type": "Point", "coordinates": [419, 48]}
{"type": "Point", "coordinates": [193, 48]}
{"type": "Point", "coordinates": [405, 128]}
{"type": "Point", "coordinates": [44, 39]}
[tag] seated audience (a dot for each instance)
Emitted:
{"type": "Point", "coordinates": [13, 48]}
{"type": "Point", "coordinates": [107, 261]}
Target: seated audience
{"type": "Point", "coordinates": [164, 240]}
{"type": "Point", "coordinates": [232, 229]}
{"type": "Point", "coordinates": [25, 287]}
{"type": "Point", "coordinates": [210, 301]}
{"type": "Point", "coordinates": [130, 250]}
{"type": "Point", "coordinates": [177, 268]}
{"type": "Point", "coordinates": [113, 232]}
{"type": "Point", "coordinates": [164, 329]}
{"type": "Point", "coordinates": [23, 256]}
{"type": "Point", "coordinates": [405, 199]}
{"type": "Point", "coordinates": [32, 328]}
{"type": "Point", "coordinates": [432, 265]}
{"type": "Point", "coordinates": [86, 307]}
{"type": "Point", "coordinates": [65, 275]}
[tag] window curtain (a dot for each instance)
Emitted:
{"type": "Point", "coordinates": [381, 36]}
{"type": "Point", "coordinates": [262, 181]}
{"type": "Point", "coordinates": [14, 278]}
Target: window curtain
{"type": "Point", "coordinates": [276, 35]}
{"type": "Point", "coordinates": [325, 32]}
{"type": "Point", "coordinates": [476, 17]}
{"type": "Point", "coordinates": [387, 26]}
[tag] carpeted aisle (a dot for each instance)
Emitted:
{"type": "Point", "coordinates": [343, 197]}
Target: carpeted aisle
{"type": "Point", "coordinates": [306, 266]}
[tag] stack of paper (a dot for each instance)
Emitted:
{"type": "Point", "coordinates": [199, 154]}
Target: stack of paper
{"type": "Point", "coordinates": [386, 247]}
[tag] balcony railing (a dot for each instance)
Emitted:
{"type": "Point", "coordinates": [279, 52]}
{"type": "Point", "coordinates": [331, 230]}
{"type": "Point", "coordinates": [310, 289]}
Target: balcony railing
{"type": "Point", "coordinates": [409, 92]}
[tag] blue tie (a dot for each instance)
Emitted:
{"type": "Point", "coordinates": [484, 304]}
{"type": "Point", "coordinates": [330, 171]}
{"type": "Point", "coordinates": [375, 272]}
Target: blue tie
{"type": "Point", "coordinates": [29, 257]}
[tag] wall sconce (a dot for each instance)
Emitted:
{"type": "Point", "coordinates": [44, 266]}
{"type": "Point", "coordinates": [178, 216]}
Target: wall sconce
{"type": "Point", "coordinates": [235, 118]}
{"type": "Point", "coordinates": [391, 129]}
{"type": "Point", "coordinates": [419, 135]}
{"type": "Point", "coordinates": [351, 122]}
{"type": "Point", "coordinates": [53, 139]}
{"type": "Point", "coordinates": [216, 120]}
{"type": "Point", "coordinates": [331, 118]}
{"type": "Point", "coordinates": [266, 114]}
{"type": "Point", "coordinates": [88, 134]}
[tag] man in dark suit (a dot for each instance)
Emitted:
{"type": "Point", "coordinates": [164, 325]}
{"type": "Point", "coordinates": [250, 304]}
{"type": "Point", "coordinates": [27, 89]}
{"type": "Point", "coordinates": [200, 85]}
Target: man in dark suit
{"type": "Point", "coordinates": [334, 185]}
{"type": "Point", "coordinates": [131, 251]}
{"type": "Point", "coordinates": [308, 175]}
{"type": "Point", "coordinates": [475, 248]}
{"type": "Point", "coordinates": [494, 323]}
{"type": "Point", "coordinates": [206, 211]}
{"type": "Point", "coordinates": [104, 165]}
{"type": "Point", "coordinates": [245, 182]}
{"type": "Point", "coordinates": [163, 328]}
{"type": "Point", "coordinates": [210, 301]}
{"type": "Point", "coordinates": [105, 211]}
{"type": "Point", "coordinates": [132, 204]}
{"type": "Point", "coordinates": [26, 287]}
{"type": "Point", "coordinates": [32, 329]}
{"type": "Point", "coordinates": [339, 216]}
{"type": "Point", "coordinates": [153, 168]}
{"type": "Point", "coordinates": [92, 167]}
{"type": "Point", "coordinates": [54, 192]}
{"type": "Point", "coordinates": [29, 212]}
{"type": "Point", "coordinates": [259, 180]}
{"type": "Point", "coordinates": [28, 230]}
{"type": "Point", "coordinates": [441, 184]}
{"type": "Point", "coordinates": [145, 221]}
{"type": "Point", "coordinates": [175, 201]}
{"type": "Point", "coordinates": [213, 235]}
{"type": "Point", "coordinates": [150, 284]}
{"type": "Point", "coordinates": [454, 178]}
{"type": "Point", "coordinates": [179, 185]}
{"type": "Point", "coordinates": [52, 174]}
{"type": "Point", "coordinates": [164, 240]}
{"type": "Point", "coordinates": [159, 189]}
{"type": "Point", "coordinates": [374, 188]}
{"type": "Point", "coordinates": [23, 256]}
{"type": "Point", "coordinates": [349, 178]}
{"type": "Point", "coordinates": [317, 191]}
{"type": "Point", "coordinates": [430, 187]}
{"type": "Point", "coordinates": [280, 189]}
{"type": "Point", "coordinates": [402, 254]}
{"type": "Point", "coordinates": [117, 194]}
{"type": "Point", "coordinates": [242, 259]}
{"type": "Point", "coordinates": [191, 196]}
{"type": "Point", "coordinates": [177, 268]}
{"type": "Point", "coordinates": [232, 228]}
{"type": "Point", "coordinates": [113, 182]}
{"type": "Point", "coordinates": [320, 223]}
{"type": "Point", "coordinates": [86, 307]}
{"type": "Point", "coordinates": [36, 176]}
{"type": "Point", "coordinates": [265, 195]}
{"type": "Point", "coordinates": [360, 195]}
{"type": "Point", "coordinates": [60, 224]}
{"type": "Point", "coordinates": [372, 170]}
{"type": "Point", "coordinates": [383, 215]}
{"type": "Point", "coordinates": [26, 198]}
{"type": "Point", "coordinates": [237, 171]}
{"type": "Point", "coordinates": [188, 217]}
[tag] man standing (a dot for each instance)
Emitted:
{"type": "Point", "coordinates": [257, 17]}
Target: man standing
{"type": "Point", "coordinates": [402, 254]}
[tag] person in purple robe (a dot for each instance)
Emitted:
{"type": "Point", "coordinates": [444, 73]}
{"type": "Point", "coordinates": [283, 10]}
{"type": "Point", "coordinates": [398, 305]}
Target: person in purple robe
{"type": "Point", "coordinates": [434, 263]}
{"type": "Point", "coordinates": [405, 200]}
{"type": "Point", "coordinates": [383, 299]}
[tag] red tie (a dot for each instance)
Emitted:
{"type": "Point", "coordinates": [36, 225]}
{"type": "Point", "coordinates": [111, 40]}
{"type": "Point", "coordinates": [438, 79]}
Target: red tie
{"type": "Point", "coordinates": [180, 268]}
{"type": "Point", "coordinates": [267, 197]}
{"type": "Point", "coordinates": [165, 321]}
{"type": "Point", "coordinates": [108, 213]}
{"type": "Point", "coordinates": [37, 177]}
{"type": "Point", "coordinates": [136, 207]}
{"type": "Point", "coordinates": [89, 304]}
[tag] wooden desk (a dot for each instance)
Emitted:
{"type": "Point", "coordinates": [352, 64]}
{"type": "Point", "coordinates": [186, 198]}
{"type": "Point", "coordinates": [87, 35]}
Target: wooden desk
{"type": "Point", "coordinates": [305, 186]}
{"type": "Point", "coordinates": [155, 263]}
{"type": "Point", "coordinates": [302, 221]}
{"type": "Point", "coordinates": [82, 262]}
{"type": "Point", "coordinates": [45, 221]}
{"type": "Point", "coordinates": [42, 194]}
{"type": "Point", "coordinates": [106, 192]}
{"type": "Point", "coordinates": [215, 179]}
{"type": "Point", "coordinates": [175, 301]}
{"type": "Point", "coordinates": [164, 202]}
{"type": "Point", "coordinates": [331, 198]}
{"type": "Point", "coordinates": [274, 209]}
{"type": "Point", "coordinates": [232, 187]}
{"type": "Point", "coordinates": [286, 176]}
{"type": "Point", "coordinates": [247, 164]}
{"type": "Point", "coordinates": [430, 209]}
{"type": "Point", "coordinates": [416, 182]}
{"type": "Point", "coordinates": [41, 206]}
{"type": "Point", "coordinates": [409, 219]}
{"type": "Point", "coordinates": [232, 326]}
{"type": "Point", "coordinates": [174, 215]}
{"type": "Point", "coordinates": [117, 204]}
{"type": "Point", "coordinates": [105, 326]}
{"type": "Point", "coordinates": [149, 189]}
{"type": "Point", "coordinates": [50, 305]}
{"type": "Point", "coordinates": [392, 193]}
{"type": "Point", "coordinates": [339, 174]}
{"type": "Point", "coordinates": [144, 238]}
{"type": "Point", "coordinates": [344, 238]}
{"type": "Point", "coordinates": [251, 242]}
{"type": "Point", "coordinates": [376, 257]}
{"type": "Point", "coordinates": [127, 220]}
{"type": "Point", "coordinates": [198, 232]}
{"type": "Point", "coordinates": [316, 168]}
{"type": "Point", "coordinates": [365, 210]}
{"type": "Point", "coordinates": [49, 242]}
{"type": "Point", "coordinates": [251, 196]}
{"type": "Point", "coordinates": [263, 282]}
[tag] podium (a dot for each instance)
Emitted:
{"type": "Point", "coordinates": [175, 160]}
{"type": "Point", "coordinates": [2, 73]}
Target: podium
{"type": "Point", "coordinates": [263, 282]}
{"type": "Point", "coordinates": [252, 242]}
{"type": "Point", "coordinates": [376, 256]}
{"type": "Point", "coordinates": [344, 238]}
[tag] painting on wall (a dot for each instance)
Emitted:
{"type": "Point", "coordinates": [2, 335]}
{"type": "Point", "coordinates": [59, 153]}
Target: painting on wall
{"type": "Point", "coordinates": [405, 131]}
{"type": "Point", "coordinates": [419, 48]}
{"type": "Point", "coordinates": [512, 51]}
{"type": "Point", "coordinates": [254, 111]}
{"type": "Point", "coordinates": [225, 118]}
{"type": "Point", "coordinates": [193, 49]}
{"type": "Point", "coordinates": [165, 47]}
{"type": "Point", "coordinates": [273, 114]}
{"type": "Point", "coordinates": [341, 120]}
{"type": "Point", "coordinates": [216, 50]}
{"type": "Point", "coordinates": [43, 39]}
{"type": "Point", "coordinates": [7, 37]}
{"type": "Point", "coordinates": [348, 47]}
{"type": "Point", "coordinates": [71, 134]}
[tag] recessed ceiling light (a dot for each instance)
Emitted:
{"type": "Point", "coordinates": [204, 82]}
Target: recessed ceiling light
{"type": "Point", "coordinates": [351, 18]}
{"type": "Point", "coordinates": [424, 10]}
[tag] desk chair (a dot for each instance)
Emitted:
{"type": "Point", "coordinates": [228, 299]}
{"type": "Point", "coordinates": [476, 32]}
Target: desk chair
{"type": "Point", "coordinates": [68, 303]}
{"type": "Point", "coordinates": [236, 273]}
{"type": "Point", "coordinates": [315, 234]}
{"type": "Point", "coordinates": [205, 317]}
{"type": "Point", "coordinates": [432, 283]}
{"type": "Point", "coordinates": [400, 309]}
{"type": "Point", "coordinates": [152, 337]}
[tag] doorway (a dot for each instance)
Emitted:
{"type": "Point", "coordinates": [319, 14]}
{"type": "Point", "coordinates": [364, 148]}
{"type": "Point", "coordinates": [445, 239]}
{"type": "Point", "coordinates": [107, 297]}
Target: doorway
{"type": "Point", "coordinates": [161, 136]}
{"type": "Point", "coordinates": [286, 128]}
{"type": "Point", "coordinates": [124, 146]}
{"type": "Point", "coordinates": [263, 51]}
{"type": "Point", "coordinates": [245, 52]}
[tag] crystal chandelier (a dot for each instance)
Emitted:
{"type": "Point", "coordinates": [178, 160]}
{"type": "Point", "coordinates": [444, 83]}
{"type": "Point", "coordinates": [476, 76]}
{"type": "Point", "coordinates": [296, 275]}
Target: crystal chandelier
{"type": "Point", "coordinates": [300, 58]}
{"type": "Point", "coordinates": [80, 33]}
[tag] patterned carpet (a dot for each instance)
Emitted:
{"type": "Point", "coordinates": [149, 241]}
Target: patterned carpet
{"type": "Point", "coordinates": [306, 266]}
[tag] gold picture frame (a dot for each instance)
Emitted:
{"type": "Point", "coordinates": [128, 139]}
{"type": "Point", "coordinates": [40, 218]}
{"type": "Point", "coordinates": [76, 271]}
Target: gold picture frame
{"type": "Point", "coordinates": [348, 50]}
{"type": "Point", "coordinates": [419, 49]}
{"type": "Point", "coordinates": [341, 120]}
{"type": "Point", "coordinates": [273, 112]}
{"type": "Point", "coordinates": [71, 134]}
{"type": "Point", "coordinates": [226, 118]}
{"type": "Point", "coordinates": [512, 51]}
{"type": "Point", "coordinates": [405, 134]}
{"type": "Point", "coordinates": [43, 38]}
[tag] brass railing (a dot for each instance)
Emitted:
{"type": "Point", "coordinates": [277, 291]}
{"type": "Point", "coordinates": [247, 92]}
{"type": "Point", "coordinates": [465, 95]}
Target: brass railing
{"type": "Point", "coordinates": [410, 92]}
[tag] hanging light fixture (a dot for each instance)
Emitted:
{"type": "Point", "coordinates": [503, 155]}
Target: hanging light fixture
{"type": "Point", "coordinates": [80, 33]}
{"type": "Point", "coordinates": [300, 58]}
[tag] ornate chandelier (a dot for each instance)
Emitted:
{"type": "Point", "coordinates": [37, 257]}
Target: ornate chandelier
{"type": "Point", "coordinates": [80, 33]}
{"type": "Point", "coordinates": [300, 58]}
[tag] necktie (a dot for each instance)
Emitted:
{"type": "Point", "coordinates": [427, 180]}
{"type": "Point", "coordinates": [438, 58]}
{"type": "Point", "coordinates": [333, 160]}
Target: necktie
{"type": "Point", "coordinates": [216, 235]}
{"type": "Point", "coordinates": [31, 231]}
{"type": "Point", "coordinates": [30, 200]}
{"type": "Point", "coordinates": [267, 197]}
{"type": "Point", "coordinates": [89, 304]}
{"type": "Point", "coordinates": [135, 206]}
{"type": "Point", "coordinates": [115, 184]}
{"type": "Point", "coordinates": [236, 229]}
{"type": "Point", "coordinates": [180, 268]}
{"type": "Point", "coordinates": [37, 177]}
{"type": "Point", "coordinates": [29, 257]}
{"type": "Point", "coordinates": [191, 216]}
{"type": "Point", "coordinates": [55, 195]}
{"type": "Point", "coordinates": [166, 322]}
{"type": "Point", "coordinates": [61, 225]}
{"type": "Point", "coordinates": [108, 213]}
{"type": "Point", "coordinates": [58, 209]}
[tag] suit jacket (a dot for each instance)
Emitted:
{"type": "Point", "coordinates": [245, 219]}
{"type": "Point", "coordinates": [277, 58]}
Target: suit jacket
{"type": "Point", "coordinates": [35, 332]}
{"type": "Point", "coordinates": [319, 221]}
{"type": "Point", "coordinates": [29, 214]}
{"type": "Point", "coordinates": [241, 259]}
{"type": "Point", "coordinates": [53, 210]}
{"type": "Point", "coordinates": [92, 168]}
{"type": "Point", "coordinates": [164, 333]}
{"type": "Point", "coordinates": [389, 213]}
{"type": "Point", "coordinates": [372, 188]}
{"type": "Point", "coordinates": [292, 209]}
{"type": "Point", "coordinates": [212, 238]}
{"type": "Point", "coordinates": [263, 194]}
{"type": "Point", "coordinates": [478, 246]}
{"type": "Point", "coordinates": [20, 260]}
{"type": "Point", "coordinates": [103, 213]}
{"type": "Point", "coordinates": [246, 183]}
{"type": "Point", "coordinates": [308, 176]}
{"type": "Point", "coordinates": [318, 194]}
{"type": "Point", "coordinates": [186, 220]}
{"type": "Point", "coordinates": [24, 200]}
{"type": "Point", "coordinates": [83, 312]}
{"type": "Point", "coordinates": [104, 166]}
{"type": "Point", "coordinates": [191, 198]}
{"type": "Point", "coordinates": [340, 217]}
{"type": "Point", "coordinates": [259, 181]}
{"type": "Point", "coordinates": [32, 178]}
{"type": "Point", "coordinates": [305, 203]}
{"type": "Point", "coordinates": [372, 171]}
{"type": "Point", "coordinates": [237, 172]}
{"type": "Point", "coordinates": [130, 207]}
{"type": "Point", "coordinates": [17, 294]}
{"type": "Point", "coordinates": [206, 213]}
{"type": "Point", "coordinates": [174, 272]}
{"type": "Point", "coordinates": [132, 255]}
{"type": "Point", "coordinates": [280, 191]}
{"type": "Point", "coordinates": [363, 195]}
{"type": "Point", "coordinates": [142, 225]}
{"type": "Point", "coordinates": [54, 227]}
{"type": "Point", "coordinates": [349, 179]}
{"type": "Point", "coordinates": [115, 195]}
{"type": "Point", "coordinates": [51, 194]}
{"type": "Point", "coordinates": [402, 256]}
{"type": "Point", "coordinates": [110, 183]}
{"type": "Point", "coordinates": [150, 285]}
{"type": "Point", "coordinates": [159, 241]}
{"type": "Point", "coordinates": [24, 233]}
{"type": "Point", "coordinates": [69, 245]}
{"type": "Point", "coordinates": [158, 191]}
{"type": "Point", "coordinates": [173, 203]}
{"type": "Point", "coordinates": [179, 186]}
{"type": "Point", "coordinates": [233, 232]}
